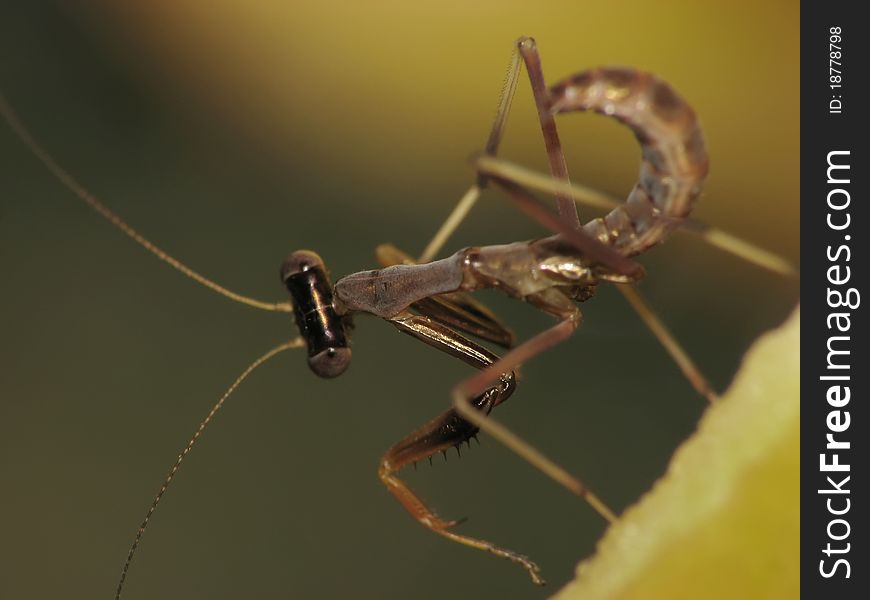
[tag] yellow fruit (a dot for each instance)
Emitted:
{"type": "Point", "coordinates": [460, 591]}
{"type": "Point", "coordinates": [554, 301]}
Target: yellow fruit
{"type": "Point", "coordinates": [724, 521]}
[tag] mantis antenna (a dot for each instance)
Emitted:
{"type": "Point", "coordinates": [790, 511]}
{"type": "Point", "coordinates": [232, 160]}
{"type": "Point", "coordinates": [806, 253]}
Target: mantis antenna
{"type": "Point", "coordinates": [294, 343]}
{"type": "Point", "coordinates": [104, 211]}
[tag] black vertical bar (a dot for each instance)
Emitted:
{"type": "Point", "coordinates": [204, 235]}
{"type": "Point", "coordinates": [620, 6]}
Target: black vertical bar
{"type": "Point", "coordinates": [834, 368]}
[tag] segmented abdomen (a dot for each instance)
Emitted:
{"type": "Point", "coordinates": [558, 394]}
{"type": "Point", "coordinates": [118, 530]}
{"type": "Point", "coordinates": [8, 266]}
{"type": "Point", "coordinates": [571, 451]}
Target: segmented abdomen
{"type": "Point", "coordinates": [674, 159]}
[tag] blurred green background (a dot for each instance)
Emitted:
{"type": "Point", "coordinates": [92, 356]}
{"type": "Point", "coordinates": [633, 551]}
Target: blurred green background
{"type": "Point", "coordinates": [232, 134]}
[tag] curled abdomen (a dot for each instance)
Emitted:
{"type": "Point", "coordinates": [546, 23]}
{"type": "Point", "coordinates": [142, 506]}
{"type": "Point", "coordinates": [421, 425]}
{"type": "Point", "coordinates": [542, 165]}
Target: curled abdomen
{"type": "Point", "coordinates": [674, 159]}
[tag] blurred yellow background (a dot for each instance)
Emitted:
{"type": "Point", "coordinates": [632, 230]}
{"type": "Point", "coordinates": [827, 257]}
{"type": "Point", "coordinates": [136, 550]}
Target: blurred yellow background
{"type": "Point", "coordinates": [233, 133]}
{"type": "Point", "coordinates": [396, 93]}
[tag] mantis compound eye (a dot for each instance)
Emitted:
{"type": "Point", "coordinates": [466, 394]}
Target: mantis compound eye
{"type": "Point", "coordinates": [300, 262]}
{"type": "Point", "coordinates": [305, 277]}
{"type": "Point", "coordinates": [330, 362]}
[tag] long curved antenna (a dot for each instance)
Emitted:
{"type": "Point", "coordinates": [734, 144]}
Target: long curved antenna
{"type": "Point", "coordinates": [749, 252]}
{"type": "Point", "coordinates": [104, 211]}
{"type": "Point", "coordinates": [294, 343]}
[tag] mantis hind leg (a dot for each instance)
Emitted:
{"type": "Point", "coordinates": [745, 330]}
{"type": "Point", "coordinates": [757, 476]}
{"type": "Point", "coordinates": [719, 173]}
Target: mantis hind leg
{"type": "Point", "coordinates": [525, 52]}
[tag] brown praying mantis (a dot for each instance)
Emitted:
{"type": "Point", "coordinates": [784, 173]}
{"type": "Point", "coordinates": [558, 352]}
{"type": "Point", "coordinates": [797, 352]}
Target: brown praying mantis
{"type": "Point", "coordinates": [428, 299]}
